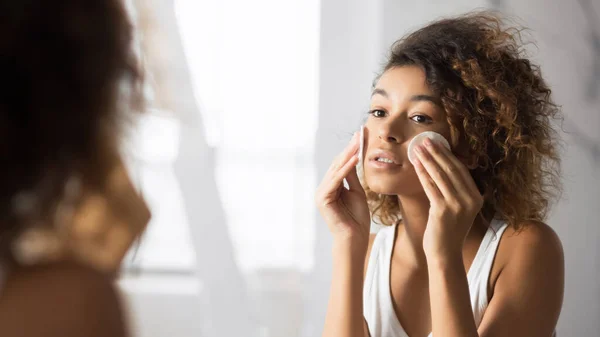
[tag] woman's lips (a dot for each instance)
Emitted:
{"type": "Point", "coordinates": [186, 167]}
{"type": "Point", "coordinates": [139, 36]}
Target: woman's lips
{"type": "Point", "coordinates": [383, 159]}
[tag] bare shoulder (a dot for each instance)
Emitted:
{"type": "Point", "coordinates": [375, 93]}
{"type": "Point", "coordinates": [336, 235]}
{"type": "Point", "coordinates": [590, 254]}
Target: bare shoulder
{"type": "Point", "coordinates": [62, 299]}
{"type": "Point", "coordinates": [533, 247]}
{"type": "Point", "coordinates": [527, 283]}
{"type": "Point", "coordinates": [531, 256]}
{"type": "Point", "coordinates": [534, 239]}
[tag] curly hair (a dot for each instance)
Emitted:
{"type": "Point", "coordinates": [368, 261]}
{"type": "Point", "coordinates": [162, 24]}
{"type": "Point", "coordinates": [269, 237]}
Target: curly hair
{"type": "Point", "coordinates": [498, 107]}
{"type": "Point", "coordinates": [70, 79]}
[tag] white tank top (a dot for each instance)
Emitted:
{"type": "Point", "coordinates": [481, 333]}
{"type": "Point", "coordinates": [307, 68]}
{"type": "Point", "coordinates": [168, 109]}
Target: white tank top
{"type": "Point", "coordinates": [377, 300]}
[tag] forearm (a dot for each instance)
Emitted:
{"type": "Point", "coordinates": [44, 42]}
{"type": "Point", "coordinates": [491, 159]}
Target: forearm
{"type": "Point", "coordinates": [345, 310]}
{"type": "Point", "coordinates": [451, 312]}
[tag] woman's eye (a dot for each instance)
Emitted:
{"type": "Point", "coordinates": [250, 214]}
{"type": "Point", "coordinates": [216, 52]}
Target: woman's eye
{"type": "Point", "coordinates": [377, 113]}
{"type": "Point", "coordinates": [421, 119]}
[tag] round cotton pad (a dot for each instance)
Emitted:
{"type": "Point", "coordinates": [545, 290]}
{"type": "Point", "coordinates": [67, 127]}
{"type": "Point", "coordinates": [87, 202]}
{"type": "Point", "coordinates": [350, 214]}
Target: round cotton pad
{"type": "Point", "coordinates": [361, 148]}
{"type": "Point", "coordinates": [420, 138]}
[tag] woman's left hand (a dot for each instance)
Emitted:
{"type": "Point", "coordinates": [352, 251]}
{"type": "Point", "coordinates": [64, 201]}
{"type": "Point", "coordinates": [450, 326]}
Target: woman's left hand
{"type": "Point", "coordinates": [454, 198]}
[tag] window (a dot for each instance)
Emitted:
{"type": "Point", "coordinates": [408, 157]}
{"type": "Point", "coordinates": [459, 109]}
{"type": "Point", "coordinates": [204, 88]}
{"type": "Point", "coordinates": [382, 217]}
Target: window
{"type": "Point", "coordinates": [256, 92]}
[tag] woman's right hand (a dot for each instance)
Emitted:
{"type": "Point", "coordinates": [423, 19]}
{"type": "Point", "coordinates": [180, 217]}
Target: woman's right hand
{"type": "Point", "coordinates": [345, 210]}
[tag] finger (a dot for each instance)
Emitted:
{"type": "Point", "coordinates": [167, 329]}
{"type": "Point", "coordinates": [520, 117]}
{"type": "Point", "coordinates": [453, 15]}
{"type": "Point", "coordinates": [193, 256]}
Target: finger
{"type": "Point", "coordinates": [436, 173]}
{"type": "Point", "coordinates": [353, 181]}
{"type": "Point", "coordinates": [429, 186]}
{"type": "Point", "coordinates": [344, 172]}
{"type": "Point", "coordinates": [330, 187]}
{"type": "Point", "coordinates": [339, 162]}
{"type": "Point", "coordinates": [455, 166]}
{"type": "Point", "coordinates": [341, 159]}
{"type": "Point", "coordinates": [333, 180]}
{"type": "Point", "coordinates": [350, 150]}
{"type": "Point", "coordinates": [452, 171]}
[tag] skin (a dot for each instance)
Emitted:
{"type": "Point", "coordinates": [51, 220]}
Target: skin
{"type": "Point", "coordinates": [440, 233]}
{"type": "Point", "coordinates": [62, 299]}
{"type": "Point", "coordinates": [74, 295]}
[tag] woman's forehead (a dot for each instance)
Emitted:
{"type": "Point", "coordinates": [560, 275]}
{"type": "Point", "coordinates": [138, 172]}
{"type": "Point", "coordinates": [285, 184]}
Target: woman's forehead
{"type": "Point", "coordinates": [405, 80]}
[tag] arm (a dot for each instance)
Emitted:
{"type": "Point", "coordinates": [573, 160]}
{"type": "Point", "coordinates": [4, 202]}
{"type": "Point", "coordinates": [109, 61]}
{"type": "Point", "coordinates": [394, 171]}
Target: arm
{"type": "Point", "coordinates": [60, 300]}
{"type": "Point", "coordinates": [528, 292]}
{"type": "Point", "coordinates": [345, 308]}
{"type": "Point", "coordinates": [527, 295]}
{"type": "Point", "coordinates": [451, 313]}
{"type": "Point", "coordinates": [347, 215]}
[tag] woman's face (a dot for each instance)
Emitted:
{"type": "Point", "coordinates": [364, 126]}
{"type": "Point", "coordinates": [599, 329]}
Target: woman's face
{"type": "Point", "coordinates": [402, 106]}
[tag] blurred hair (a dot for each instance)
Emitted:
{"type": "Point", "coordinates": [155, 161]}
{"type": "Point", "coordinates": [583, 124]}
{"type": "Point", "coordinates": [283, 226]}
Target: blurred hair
{"type": "Point", "coordinates": [69, 81]}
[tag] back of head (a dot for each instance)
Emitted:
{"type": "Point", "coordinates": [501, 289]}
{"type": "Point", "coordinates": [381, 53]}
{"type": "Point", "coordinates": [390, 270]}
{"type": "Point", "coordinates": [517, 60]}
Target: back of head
{"type": "Point", "coordinates": [68, 80]}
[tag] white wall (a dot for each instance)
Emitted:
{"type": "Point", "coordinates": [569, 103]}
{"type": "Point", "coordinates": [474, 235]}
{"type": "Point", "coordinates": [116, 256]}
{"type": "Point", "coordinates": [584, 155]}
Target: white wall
{"type": "Point", "coordinates": [567, 56]}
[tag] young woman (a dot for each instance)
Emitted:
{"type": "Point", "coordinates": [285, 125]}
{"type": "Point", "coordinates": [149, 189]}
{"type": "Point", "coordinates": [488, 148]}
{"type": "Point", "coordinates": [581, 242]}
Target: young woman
{"type": "Point", "coordinates": [68, 212]}
{"type": "Point", "coordinates": [465, 251]}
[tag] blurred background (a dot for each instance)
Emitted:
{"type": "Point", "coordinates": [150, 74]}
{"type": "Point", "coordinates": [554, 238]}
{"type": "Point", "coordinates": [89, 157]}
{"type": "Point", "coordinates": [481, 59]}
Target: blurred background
{"type": "Point", "coordinates": [252, 100]}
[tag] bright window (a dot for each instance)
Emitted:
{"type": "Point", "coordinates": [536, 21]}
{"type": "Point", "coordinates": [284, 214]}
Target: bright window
{"type": "Point", "coordinates": [254, 69]}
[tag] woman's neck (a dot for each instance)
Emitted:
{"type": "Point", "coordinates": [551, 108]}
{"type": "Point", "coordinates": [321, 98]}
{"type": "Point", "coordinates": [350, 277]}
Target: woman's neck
{"type": "Point", "coordinates": [409, 242]}
{"type": "Point", "coordinates": [415, 213]}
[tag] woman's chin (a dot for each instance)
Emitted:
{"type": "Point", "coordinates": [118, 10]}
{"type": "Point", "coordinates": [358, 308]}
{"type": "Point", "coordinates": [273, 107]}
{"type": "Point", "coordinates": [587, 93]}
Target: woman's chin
{"type": "Point", "coordinates": [389, 186]}
{"type": "Point", "coordinates": [380, 186]}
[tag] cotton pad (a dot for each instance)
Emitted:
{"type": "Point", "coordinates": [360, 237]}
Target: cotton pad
{"type": "Point", "coordinates": [420, 138]}
{"type": "Point", "coordinates": [361, 147]}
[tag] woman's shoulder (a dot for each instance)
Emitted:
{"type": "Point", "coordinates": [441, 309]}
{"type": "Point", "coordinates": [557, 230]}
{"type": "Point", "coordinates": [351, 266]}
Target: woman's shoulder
{"type": "Point", "coordinates": [527, 281]}
{"type": "Point", "coordinates": [532, 249]}
{"type": "Point", "coordinates": [531, 238]}
{"type": "Point", "coordinates": [60, 299]}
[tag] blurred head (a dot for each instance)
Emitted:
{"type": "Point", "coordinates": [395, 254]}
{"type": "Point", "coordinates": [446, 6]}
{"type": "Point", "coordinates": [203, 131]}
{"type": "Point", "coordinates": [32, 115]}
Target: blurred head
{"type": "Point", "coordinates": [467, 79]}
{"type": "Point", "coordinates": [69, 80]}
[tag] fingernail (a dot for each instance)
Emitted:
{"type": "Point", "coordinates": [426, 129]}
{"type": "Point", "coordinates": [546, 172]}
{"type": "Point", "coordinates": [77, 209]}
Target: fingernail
{"type": "Point", "coordinates": [419, 149]}
{"type": "Point", "coordinates": [428, 142]}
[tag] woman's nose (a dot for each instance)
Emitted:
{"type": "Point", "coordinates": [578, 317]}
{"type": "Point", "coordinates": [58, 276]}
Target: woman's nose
{"type": "Point", "coordinates": [391, 132]}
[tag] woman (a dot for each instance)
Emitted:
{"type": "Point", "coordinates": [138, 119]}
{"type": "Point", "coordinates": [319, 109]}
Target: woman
{"type": "Point", "coordinates": [465, 251]}
{"type": "Point", "coordinates": [68, 212]}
